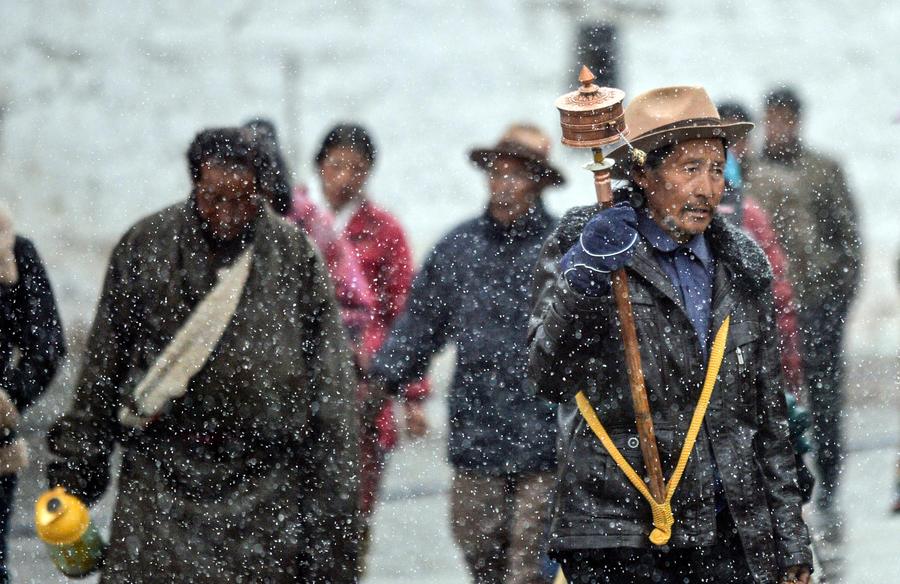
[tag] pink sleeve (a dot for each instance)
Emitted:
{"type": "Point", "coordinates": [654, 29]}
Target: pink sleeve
{"type": "Point", "coordinates": [350, 288]}
{"type": "Point", "coordinates": [758, 225]}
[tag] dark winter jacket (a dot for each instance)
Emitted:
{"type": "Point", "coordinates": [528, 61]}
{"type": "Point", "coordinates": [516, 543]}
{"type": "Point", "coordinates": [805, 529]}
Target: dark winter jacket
{"type": "Point", "coordinates": [29, 322]}
{"type": "Point", "coordinates": [474, 292]}
{"type": "Point", "coordinates": [575, 345]}
{"type": "Point", "coordinates": [31, 336]}
{"type": "Point", "coordinates": [251, 476]}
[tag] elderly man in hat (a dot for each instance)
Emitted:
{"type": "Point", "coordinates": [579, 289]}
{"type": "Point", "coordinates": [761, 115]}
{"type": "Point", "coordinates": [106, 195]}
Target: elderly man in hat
{"type": "Point", "coordinates": [474, 292]}
{"type": "Point", "coordinates": [701, 297]}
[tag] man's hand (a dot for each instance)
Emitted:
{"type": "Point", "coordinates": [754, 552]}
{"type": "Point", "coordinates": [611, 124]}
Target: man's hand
{"type": "Point", "coordinates": [797, 575]}
{"type": "Point", "coordinates": [416, 421]}
{"type": "Point", "coordinates": [606, 244]}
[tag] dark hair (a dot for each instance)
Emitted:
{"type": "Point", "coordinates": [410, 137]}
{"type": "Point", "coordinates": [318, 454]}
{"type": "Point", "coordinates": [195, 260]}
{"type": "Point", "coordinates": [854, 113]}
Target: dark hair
{"type": "Point", "coordinates": [225, 146]}
{"type": "Point", "coordinates": [784, 97]}
{"type": "Point", "coordinates": [734, 111]}
{"type": "Point", "coordinates": [351, 136]}
{"type": "Point", "coordinates": [276, 181]}
{"type": "Point", "coordinates": [655, 158]}
{"type": "Point", "coordinates": [630, 191]}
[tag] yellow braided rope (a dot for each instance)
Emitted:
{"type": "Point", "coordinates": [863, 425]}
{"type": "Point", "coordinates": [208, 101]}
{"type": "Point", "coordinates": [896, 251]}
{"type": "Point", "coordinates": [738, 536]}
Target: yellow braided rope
{"type": "Point", "coordinates": [662, 511]}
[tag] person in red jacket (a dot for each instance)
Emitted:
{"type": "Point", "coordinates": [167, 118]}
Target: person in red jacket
{"type": "Point", "coordinates": [749, 215]}
{"type": "Point", "coordinates": [351, 289]}
{"type": "Point", "coordinates": [746, 212]}
{"type": "Point", "coordinates": [345, 160]}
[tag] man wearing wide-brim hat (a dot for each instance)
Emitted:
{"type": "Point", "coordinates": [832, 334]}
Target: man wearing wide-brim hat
{"type": "Point", "coordinates": [701, 297]}
{"type": "Point", "coordinates": [474, 292]}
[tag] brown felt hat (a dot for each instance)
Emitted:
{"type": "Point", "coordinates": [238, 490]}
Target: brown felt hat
{"type": "Point", "coordinates": [669, 115]}
{"type": "Point", "coordinates": [525, 142]}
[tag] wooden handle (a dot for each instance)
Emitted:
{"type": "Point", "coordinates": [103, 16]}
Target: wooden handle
{"type": "Point", "coordinates": [643, 418]}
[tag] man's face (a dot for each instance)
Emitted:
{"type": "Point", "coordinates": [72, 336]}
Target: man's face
{"type": "Point", "coordinates": [682, 194]}
{"type": "Point", "coordinates": [513, 189]}
{"type": "Point", "coordinates": [227, 200]}
{"type": "Point", "coordinates": [782, 127]}
{"type": "Point", "coordinates": [344, 172]}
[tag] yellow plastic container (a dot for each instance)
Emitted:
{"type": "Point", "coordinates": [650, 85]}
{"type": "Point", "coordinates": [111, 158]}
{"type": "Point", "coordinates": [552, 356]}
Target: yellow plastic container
{"type": "Point", "coordinates": [63, 523]}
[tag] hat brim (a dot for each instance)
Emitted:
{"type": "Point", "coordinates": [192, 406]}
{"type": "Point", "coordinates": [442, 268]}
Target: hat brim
{"type": "Point", "coordinates": [550, 177]}
{"type": "Point", "coordinates": [653, 140]}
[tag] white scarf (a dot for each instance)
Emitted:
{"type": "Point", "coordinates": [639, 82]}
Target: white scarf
{"type": "Point", "coordinates": [191, 347]}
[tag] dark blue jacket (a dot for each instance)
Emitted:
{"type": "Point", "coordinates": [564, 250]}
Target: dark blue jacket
{"type": "Point", "coordinates": [474, 291]}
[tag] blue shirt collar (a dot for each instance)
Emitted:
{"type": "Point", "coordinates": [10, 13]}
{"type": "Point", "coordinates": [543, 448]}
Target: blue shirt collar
{"type": "Point", "coordinates": [661, 241]}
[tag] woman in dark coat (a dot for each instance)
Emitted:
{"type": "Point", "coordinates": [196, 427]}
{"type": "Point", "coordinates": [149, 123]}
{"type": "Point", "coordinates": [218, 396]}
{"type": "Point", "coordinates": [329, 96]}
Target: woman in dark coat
{"type": "Point", "coordinates": [31, 347]}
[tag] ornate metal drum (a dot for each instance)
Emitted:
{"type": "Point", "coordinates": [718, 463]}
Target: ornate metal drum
{"type": "Point", "coordinates": [591, 116]}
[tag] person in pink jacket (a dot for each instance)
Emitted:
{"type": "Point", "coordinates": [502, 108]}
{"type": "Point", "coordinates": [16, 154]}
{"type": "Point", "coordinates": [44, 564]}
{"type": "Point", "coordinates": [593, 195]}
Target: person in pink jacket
{"type": "Point", "coordinates": [754, 221]}
{"type": "Point", "coordinates": [350, 287]}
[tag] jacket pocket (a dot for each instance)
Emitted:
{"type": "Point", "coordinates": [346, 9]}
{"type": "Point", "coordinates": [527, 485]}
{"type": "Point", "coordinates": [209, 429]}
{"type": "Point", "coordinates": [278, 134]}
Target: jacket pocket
{"type": "Point", "coordinates": [740, 370]}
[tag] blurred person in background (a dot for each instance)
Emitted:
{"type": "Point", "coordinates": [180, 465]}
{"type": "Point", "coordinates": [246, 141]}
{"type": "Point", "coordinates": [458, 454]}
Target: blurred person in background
{"type": "Point", "coordinates": [474, 292]}
{"type": "Point", "coordinates": [344, 161]}
{"type": "Point", "coordinates": [746, 213]}
{"type": "Point", "coordinates": [31, 349]}
{"type": "Point", "coordinates": [218, 363]}
{"type": "Point", "coordinates": [296, 205]}
{"type": "Point", "coordinates": [814, 216]}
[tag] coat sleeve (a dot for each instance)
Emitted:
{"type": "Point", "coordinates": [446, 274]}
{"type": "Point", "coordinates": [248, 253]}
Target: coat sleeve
{"type": "Point", "coordinates": [565, 327]}
{"type": "Point", "coordinates": [330, 452]}
{"type": "Point", "coordinates": [396, 275]}
{"type": "Point", "coordinates": [836, 212]}
{"type": "Point", "coordinates": [39, 337]}
{"type": "Point", "coordinates": [421, 330]}
{"type": "Point", "coordinates": [775, 454]}
{"type": "Point", "coordinates": [82, 439]}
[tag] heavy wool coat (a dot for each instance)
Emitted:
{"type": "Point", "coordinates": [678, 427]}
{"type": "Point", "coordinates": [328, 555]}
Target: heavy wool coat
{"type": "Point", "coordinates": [575, 345]}
{"type": "Point", "coordinates": [251, 476]}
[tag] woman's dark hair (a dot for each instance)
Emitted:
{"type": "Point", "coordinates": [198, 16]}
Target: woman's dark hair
{"type": "Point", "coordinates": [655, 158]}
{"type": "Point", "coordinates": [228, 147]}
{"type": "Point", "coordinates": [351, 136]}
{"type": "Point", "coordinates": [276, 181]}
